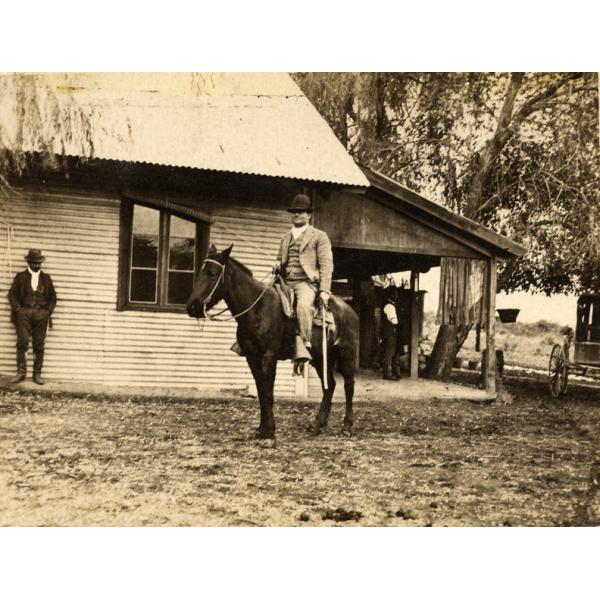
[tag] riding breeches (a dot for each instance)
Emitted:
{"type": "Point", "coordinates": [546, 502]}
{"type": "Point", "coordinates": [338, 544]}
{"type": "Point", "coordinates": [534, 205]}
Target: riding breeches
{"type": "Point", "coordinates": [305, 300]}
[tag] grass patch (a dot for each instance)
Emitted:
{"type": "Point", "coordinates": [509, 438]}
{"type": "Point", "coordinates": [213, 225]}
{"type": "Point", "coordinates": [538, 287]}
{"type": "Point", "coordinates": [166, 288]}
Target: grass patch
{"type": "Point", "coordinates": [524, 344]}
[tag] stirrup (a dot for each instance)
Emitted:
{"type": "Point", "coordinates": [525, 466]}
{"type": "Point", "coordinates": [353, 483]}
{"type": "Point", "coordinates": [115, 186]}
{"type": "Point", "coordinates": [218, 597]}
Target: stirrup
{"type": "Point", "coordinates": [299, 367]}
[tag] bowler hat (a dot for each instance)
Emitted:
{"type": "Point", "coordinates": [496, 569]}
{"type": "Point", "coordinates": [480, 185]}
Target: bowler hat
{"type": "Point", "coordinates": [35, 255]}
{"type": "Point", "coordinates": [300, 203]}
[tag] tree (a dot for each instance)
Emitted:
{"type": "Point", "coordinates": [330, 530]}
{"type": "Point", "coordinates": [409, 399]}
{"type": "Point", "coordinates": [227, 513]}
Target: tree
{"type": "Point", "coordinates": [36, 116]}
{"type": "Point", "coordinates": [517, 152]}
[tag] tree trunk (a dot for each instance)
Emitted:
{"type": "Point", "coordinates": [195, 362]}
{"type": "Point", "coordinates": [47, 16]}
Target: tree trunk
{"type": "Point", "coordinates": [380, 116]}
{"type": "Point", "coordinates": [448, 342]}
{"type": "Point", "coordinates": [492, 148]}
{"type": "Point", "coordinates": [451, 338]}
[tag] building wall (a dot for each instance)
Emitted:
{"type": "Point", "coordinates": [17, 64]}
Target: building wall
{"type": "Point", "coordinates": [91, 340]}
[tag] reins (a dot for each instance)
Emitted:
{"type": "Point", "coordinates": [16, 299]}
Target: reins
{"type": "Point", "coordinates": [219, 279]}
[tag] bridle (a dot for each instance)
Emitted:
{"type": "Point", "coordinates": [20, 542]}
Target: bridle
{"type": "Point", "coordinates": [221, 278]}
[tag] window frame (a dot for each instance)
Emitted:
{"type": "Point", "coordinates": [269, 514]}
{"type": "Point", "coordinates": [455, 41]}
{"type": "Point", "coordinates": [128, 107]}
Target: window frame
{"type": "Point", "coordinates": [125, 249]}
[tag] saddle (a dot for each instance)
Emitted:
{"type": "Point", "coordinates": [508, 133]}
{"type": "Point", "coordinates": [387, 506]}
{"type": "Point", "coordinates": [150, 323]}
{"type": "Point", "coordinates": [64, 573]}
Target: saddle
{"type": "Point", "coordinates": [286, 293]}
{"type": "Point", "coordinates": [287, 296]}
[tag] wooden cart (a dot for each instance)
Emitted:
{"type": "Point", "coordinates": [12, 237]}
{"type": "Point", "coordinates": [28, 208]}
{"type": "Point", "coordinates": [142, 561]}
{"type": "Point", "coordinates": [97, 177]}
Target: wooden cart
{"type": "Point", "coordinates": [586, 359]}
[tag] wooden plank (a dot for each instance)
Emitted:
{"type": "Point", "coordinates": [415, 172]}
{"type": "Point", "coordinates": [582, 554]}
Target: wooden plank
{"type": "Point", "coordinates": [490, 328]}
{"type": "Point", "coordinates": [356, 221]}
{"type": "Point", "coordinates": [414, 328]}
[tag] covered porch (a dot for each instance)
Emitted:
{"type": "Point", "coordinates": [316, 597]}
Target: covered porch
{"type": "Point", "coordinates": [389, 228]}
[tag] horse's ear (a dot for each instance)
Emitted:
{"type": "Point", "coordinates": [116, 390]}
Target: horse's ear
{"type": "Point", "coordinates": [227, 252]}
{"type": "Point", "coordinates": [212, 249]}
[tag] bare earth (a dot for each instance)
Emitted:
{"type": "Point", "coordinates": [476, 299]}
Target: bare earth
{"type": "Point", "coordinates": [79, 460]}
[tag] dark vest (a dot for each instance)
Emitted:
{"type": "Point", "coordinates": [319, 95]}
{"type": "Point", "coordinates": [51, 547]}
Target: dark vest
{"type": "Point", "coordinates": [38, 298]}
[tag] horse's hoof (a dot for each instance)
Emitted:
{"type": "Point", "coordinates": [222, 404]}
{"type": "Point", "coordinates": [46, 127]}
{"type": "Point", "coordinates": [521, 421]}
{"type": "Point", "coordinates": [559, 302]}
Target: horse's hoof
{"type": "Point", "coordinates": [266, 443]}
{"type": "Point", "coordinates": [347, 431]}
{"type": "Point", "coordinates": [260, 434]}
{"type": "Point", "coordinates": [316, 428]}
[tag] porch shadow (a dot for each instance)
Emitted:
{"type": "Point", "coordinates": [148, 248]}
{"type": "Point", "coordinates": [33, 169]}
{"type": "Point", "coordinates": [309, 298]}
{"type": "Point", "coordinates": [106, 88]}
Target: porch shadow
{"type": "Point", "coordinates": [370, 385]}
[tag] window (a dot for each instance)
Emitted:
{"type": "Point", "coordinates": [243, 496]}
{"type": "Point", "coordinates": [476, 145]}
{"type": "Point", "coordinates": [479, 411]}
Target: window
{"type": "Point", "coordinates": [160, 253]}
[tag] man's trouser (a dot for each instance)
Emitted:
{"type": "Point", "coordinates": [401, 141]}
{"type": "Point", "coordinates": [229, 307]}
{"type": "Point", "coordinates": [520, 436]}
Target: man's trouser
{"type": "Point", "coordinates": [305, 300]}
{"type": "Point", "coordinates": [31, 324]}
{"type": "Point", "coordinates": [389, 342]}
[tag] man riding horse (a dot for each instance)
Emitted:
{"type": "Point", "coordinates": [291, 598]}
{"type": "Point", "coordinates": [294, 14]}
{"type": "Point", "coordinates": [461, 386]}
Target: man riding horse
{"type": "Point", "coordinates": [265, 333]}
{"type": "Point", "coordinates": [305, 261]}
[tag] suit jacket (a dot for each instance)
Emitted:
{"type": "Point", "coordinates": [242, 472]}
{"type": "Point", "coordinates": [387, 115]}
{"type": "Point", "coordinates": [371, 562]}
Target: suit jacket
{"type": "Point", "coordinates": [21, 295]}
{"type": "Point", "coordinates": [316, 256]}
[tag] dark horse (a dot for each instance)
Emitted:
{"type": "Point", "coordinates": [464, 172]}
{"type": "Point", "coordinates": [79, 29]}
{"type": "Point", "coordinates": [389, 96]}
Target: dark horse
{"type": "Point", "coordinates": [266, 335]}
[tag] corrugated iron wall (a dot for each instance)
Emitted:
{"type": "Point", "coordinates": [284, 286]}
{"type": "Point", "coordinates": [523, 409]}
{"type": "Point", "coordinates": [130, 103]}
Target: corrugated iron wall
{"type": "Point", "coordinates": [91, 340]}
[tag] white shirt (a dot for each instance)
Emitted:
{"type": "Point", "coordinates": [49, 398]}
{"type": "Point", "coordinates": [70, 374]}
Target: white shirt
{"type": "Point", "coordinates": [390, 312]}
{"type": "Point", "coordinates": [35, 277]}
{"type": "Point", "coordinates": [298, 231]}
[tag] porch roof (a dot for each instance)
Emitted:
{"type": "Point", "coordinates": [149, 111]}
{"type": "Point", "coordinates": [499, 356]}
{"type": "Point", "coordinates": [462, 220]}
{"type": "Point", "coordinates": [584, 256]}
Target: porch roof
{"type": "Point", "coordinates": [460, 227]}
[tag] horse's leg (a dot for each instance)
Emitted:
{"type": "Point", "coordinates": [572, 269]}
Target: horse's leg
{"type": "Point", "coordinates": [322, 415]}
{"type": "Point", "coordinates": [263, 369]}
{"type": "Point", "coordinates": [346, 366]}
{"type": "Point", "coordinates": [269, 369]}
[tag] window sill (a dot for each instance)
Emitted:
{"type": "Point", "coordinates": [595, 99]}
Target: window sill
{"type": "Point", "coordinates": [155, 309]}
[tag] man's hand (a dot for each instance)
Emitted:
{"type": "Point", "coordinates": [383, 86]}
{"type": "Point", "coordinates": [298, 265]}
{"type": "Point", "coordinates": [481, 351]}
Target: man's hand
{"type": "Point", "coordinates": [276, 269]}
{"type": "Point", "coordinates": [324, 298]}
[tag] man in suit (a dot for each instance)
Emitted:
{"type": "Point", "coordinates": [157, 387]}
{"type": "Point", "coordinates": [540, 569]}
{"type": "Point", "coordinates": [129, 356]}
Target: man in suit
{"type": "Point", "coordinates": [305, 260]}
{"type": "Point", "coordinates": [32, 300]}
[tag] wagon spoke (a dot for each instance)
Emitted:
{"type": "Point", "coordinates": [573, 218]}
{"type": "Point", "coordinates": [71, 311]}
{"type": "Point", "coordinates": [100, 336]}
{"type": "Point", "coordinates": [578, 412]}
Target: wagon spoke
{"type": "Point", "coordinates": [557, 371]}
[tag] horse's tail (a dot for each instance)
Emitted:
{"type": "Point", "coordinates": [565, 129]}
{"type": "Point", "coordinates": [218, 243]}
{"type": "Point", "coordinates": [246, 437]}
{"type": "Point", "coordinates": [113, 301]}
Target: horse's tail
{"type": "Point", "coordinates": [346, 334]}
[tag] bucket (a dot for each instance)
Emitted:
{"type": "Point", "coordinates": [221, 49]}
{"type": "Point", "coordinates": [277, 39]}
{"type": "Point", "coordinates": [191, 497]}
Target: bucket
{"type": "Point", "coordinates": [508, 315]}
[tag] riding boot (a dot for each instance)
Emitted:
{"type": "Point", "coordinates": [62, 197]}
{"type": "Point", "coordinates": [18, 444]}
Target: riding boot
{"type": "Point", "coordinates": [21, 367]}
{"type": "Point", "coordinates": [302, 349]}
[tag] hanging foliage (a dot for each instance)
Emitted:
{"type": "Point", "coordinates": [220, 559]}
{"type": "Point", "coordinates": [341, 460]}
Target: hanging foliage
{"type": "Point", "coordinates": [463, 297]}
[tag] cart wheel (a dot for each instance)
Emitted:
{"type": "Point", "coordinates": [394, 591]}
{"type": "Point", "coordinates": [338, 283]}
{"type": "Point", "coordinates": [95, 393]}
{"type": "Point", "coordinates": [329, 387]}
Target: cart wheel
{"type": "Point", "coordinates": [563, 390]}
{"type": "Point", "coordinates": [557, 371]}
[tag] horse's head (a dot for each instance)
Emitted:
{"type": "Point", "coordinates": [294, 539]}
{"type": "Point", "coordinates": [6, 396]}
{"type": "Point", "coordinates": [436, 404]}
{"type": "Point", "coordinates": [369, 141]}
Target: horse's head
{"type": "Point", "coordinates": [209, 285]}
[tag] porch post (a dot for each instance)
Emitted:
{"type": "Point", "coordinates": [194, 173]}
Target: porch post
{"type": "Point", "coordinates": [490, 328]}
{"type": "Point", "coordinates": [414, 328]}
{"type": "Point", "coordinates": [301, 384]}
{"type": "Point", "coordinates": [358, 302]}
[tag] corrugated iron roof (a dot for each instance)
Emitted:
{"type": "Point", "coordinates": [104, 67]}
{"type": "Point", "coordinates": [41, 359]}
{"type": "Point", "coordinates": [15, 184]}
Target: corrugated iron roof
{"type": "Point", "coordinates": [500, 244]}
{"type": "Point", "coordinates": [241, 122]}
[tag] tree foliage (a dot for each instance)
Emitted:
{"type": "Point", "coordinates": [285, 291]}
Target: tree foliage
{"type": "Point", "coordinates": [517, 152]}
{"type": "Point", "coordinates": [38, 117]}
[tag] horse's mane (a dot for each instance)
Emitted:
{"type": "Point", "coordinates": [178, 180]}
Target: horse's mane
{"type": "Point", "coordinates": [244, 268]}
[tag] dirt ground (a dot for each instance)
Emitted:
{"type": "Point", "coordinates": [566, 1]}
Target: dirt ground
{"type": "Point", "coordinates": [82, 460]}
